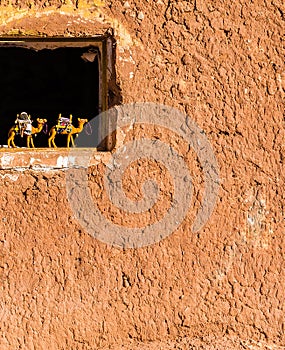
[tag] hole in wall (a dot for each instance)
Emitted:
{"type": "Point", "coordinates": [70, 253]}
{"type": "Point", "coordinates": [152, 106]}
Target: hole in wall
{"type": "Point", "coordinates": [45, 83]}
{"type": "Point", "coordinates": [46, 77]}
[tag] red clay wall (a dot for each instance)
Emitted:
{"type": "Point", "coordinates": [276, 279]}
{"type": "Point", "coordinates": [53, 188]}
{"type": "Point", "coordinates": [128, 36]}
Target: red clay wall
{"type": "Point", "coordinates": [222, 63]}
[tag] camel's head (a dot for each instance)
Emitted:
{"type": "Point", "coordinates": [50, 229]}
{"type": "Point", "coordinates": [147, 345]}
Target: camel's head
{"type": "Point", "coordinates": [41, 121]}
{"type": "Point", "coordinates": [82, 121]}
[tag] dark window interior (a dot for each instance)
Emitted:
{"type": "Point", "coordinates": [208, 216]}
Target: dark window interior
{"type": "Point", "coordinates": [45, 83]}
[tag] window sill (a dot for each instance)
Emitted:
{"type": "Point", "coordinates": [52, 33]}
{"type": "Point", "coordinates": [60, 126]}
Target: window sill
{"type": "Point", "coordinates": [45, 159]}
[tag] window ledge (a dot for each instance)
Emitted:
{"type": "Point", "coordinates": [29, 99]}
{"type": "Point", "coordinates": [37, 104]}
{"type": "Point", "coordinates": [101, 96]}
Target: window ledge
{"type": "Point", "coordinates": [46, 159]}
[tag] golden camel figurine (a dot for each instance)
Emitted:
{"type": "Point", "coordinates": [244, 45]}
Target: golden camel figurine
{"type": "Point", "coordinates": [69, 131]}
{"type": "Point", "coordinates": [13, 131]}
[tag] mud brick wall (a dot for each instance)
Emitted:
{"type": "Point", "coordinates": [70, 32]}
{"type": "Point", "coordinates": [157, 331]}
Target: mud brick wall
{"type": "Point", "coordinates": [220, 62]}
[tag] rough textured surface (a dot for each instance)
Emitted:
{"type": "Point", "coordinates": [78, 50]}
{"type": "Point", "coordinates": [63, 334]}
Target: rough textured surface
{"type": "Point", "coordinates": [222, 63]}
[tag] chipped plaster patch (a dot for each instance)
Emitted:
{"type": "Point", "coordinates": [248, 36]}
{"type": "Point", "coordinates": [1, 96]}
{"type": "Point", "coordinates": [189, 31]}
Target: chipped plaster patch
{"type": "Point", "coordinates": [6, 160]}
{"type": "Point", "coordinates": [62, 162]}
{"type": "Point", "coordinates": [13, 177]}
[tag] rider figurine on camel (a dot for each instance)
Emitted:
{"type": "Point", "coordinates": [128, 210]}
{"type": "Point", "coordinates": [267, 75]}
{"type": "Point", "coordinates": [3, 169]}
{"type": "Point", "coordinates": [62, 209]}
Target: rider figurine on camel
{"type": "Point", "coordinates": [64, 124]}
{"type": "Point", "coordinates": [23, 124]}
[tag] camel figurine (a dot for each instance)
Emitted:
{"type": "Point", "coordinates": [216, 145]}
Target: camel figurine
{"type": "Point", "coordinates": [13, 132]}
{"type": "Point", "coordinates": [69, 131]}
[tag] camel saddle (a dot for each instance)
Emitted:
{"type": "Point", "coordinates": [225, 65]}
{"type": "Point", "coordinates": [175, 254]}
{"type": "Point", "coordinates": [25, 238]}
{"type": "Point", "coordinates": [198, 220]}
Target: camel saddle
{"type": "Point", "coordinates": [63, 124]}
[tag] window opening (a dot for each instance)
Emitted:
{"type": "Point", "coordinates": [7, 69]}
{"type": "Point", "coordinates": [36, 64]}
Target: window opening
{"type": "Point", "coordinates": [51, 78]}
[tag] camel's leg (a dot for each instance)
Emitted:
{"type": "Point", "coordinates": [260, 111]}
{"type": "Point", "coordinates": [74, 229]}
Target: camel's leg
{"type": "Point", "coordinates": [30, 141]}
{"type": "Point", "coordinates": [51, 138]}
{"type": "Point", "coordinates": [69, 137]}
{"type": "Point", "coordinates": [53, 142]}
{"type": "Point", "coordinates": [72, 141]}
{"type": "Point", "coordinates": [11, 140]}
